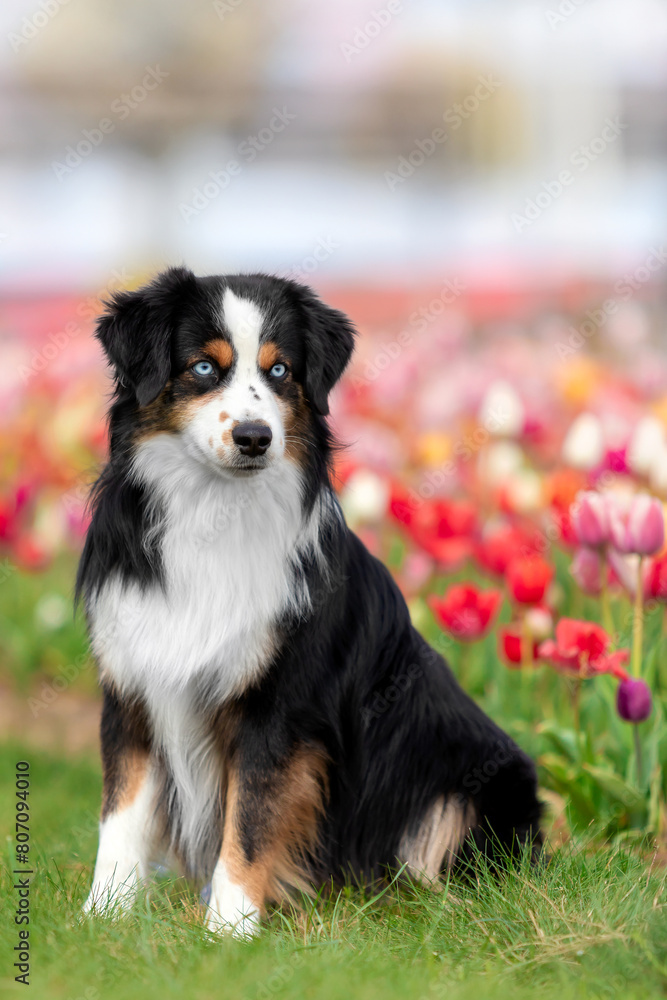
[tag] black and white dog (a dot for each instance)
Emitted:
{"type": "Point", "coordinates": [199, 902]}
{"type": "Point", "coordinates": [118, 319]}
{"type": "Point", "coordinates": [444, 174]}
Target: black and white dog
{"type": "Point", "coordinates": [243, 633]}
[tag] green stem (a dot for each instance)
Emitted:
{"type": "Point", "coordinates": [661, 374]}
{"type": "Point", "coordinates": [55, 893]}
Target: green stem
{"type": "Point", "coordinates": [638, 754]}
{"type": "Point", "coordinates": [607, 617]}
{"type": "Point", "coordinates": [576, 699]}
{"type": "Point", "coordinates": [638, 623]}
{"type": "Point", "coordinates": [464, 665]}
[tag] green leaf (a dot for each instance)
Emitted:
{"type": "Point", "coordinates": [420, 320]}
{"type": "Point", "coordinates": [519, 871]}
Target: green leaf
{"type": "Point", "coordinates": [564, 740]}
{"type": "Point", "coordinates": [616, 787]}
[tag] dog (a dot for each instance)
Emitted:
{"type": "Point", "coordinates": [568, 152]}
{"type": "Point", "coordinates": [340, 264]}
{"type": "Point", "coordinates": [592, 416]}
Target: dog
{"type": "Point", "coordinates": [245, 637]}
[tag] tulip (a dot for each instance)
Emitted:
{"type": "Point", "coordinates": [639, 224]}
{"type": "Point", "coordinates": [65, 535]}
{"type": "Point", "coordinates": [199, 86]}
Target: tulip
{"type": "Point", "coordinates": [587, 568]}
{"type": "Point", "coordinates": [633, 700]}
{"type": "Point", "coordinates": [466, 612]}
{"type": "Point", "coordinates": [502, 412]}
{"type": "Point", "coordinates": [417, 568]}
{"type": "Point", "coordinates": [539, 622]}
{"type": "Point", "coordinates": [582, 648]}
{"type": "Point", "coordinates": [655, 584]}
{"type": "Point", "coordinates": [365, 497]}
{"type": "Point", "coordinates": [528, 578]}
{"type": "Point", "coordinates": [648, 440]}
{"type": "Point", "coordinates": [638, 526]}
{"type": "Point", "coordinates": [583, 447]}
{"type": "Point", "coordinates": [511, 646]}
{"type": "Point", "coordinates": [496, 551]}
{"type": "Point", "coordinates": [590, 519]}
{"type": "Point", "coordinates": [443, 529]}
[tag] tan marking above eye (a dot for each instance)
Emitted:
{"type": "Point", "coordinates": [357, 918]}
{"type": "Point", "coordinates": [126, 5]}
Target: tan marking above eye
{"type": "Point", "coordinates": [268, 355]}
{"type": "Point", "coordinates": [221, 351]}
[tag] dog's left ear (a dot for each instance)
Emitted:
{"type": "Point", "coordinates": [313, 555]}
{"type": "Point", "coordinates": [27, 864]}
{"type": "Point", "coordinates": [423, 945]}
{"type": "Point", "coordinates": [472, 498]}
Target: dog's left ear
{"type": "Point", "coordinates": [136, 332]}
{"type": "Point", "coordinates": [329, 337]}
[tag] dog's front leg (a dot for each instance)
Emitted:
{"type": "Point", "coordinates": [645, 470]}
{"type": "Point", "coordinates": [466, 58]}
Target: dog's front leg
{"type": "Point", "coordinates": [128, 824]}
{"type": "Point", "coordinates": [270, 831]}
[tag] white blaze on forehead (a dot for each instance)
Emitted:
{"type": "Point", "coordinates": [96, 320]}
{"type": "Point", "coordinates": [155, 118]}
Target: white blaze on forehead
{"type": "Point", "coordinates": [244, 321]}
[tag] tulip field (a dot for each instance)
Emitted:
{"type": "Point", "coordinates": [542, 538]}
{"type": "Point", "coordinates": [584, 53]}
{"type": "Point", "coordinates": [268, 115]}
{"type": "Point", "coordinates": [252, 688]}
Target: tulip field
{"type": "Point", "coordinates": [512, 473]}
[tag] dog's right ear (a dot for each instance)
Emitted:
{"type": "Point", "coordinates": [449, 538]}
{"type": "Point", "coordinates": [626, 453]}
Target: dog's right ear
{"type": "Point", "coordinates": [136, 331]}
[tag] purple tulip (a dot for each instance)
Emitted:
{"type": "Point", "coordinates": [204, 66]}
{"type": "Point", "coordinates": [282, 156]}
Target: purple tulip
{"type": "Point", "coordinates": [590, 519]}
{"type": "Point", "coordinates": [638, 527]}
{"type": "Point", "coordinates": [633, 700]}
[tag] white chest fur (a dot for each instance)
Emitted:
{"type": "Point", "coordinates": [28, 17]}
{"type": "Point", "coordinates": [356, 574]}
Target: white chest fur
{"type": "Point", "coordinates": [228, 549]}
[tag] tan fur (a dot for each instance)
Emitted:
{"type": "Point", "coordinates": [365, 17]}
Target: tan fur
{"type": "Point", "coordinates": [132, 774]}
{"type": "Point", "coordinates": [221, 351]}
{"type": "Point", "coordinates": [290, 810]}
{"type": "Point", "coordinates": [434, 847]}
{"type": "Point", "coordinates": [268, 355]}
{"type": "Point", "coordinates": [296, 420]}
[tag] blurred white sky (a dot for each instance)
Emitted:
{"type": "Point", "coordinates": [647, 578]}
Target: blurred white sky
{"type": "Point", "coordinates": [323, 182]}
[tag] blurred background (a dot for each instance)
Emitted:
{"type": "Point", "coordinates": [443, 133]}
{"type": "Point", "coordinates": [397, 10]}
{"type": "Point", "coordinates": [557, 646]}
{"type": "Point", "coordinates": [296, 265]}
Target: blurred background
{"type": "Point", "coordinates": [482, 185]}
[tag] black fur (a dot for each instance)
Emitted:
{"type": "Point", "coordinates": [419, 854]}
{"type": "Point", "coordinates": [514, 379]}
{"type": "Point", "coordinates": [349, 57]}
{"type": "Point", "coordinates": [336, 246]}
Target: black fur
{"type": "Point", "coordinates": [355, 678]}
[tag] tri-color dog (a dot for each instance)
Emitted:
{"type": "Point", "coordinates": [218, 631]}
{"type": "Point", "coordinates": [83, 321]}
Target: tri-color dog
{"type": "Point", "coordinates": [243, 632]}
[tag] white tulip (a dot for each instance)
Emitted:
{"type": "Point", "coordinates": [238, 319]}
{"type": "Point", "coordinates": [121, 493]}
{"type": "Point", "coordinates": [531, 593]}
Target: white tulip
{"type": "Point", "coordinates": [365, 497]}
{"type": "Point", "coordinates": [502, 413]}
{"type": "Point", "coordinates": [583, 447]}
{"type": "Point", "coordinates": [648, 439]}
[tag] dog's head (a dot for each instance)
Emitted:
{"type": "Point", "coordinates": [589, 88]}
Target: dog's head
{"type": "Point", "coordinates": [239, 366]}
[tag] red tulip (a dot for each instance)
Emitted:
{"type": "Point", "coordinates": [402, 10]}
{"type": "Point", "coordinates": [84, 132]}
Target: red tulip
{"type": "Point", "coordinates": [510, 646]}
{"type": "Point", "coordinates": [495, 552]}
{"type": "Point", "coordinates": [655, 585]}
{"type": "Point", "coordinates": [582, 648]}
{"type": "Point", "coordinates": [442, 528]}
{"type": "Point", "coordinates": [466, 612]}
{"type": "Point", "coordinates": [639, 526]}
{"type": "Point", "coordinates": [528, 578]}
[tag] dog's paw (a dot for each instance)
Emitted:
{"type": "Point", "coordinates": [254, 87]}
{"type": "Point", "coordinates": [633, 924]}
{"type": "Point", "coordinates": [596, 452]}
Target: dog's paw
{"type": "Point", "coordinates": [230, 913]}
{"type": "Point", "coordinates": [110, 898]}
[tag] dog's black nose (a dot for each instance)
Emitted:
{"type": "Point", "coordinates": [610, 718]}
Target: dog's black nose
{"type": "Point", "coordinates": [252, 439]}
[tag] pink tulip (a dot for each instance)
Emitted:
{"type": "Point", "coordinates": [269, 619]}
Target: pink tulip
{"type": "Point", "coordinates": [586, 569]}
{"type": "Point", "coordinates": [590, 519]}
{"type": "Point", "coordinates": [638, 527]}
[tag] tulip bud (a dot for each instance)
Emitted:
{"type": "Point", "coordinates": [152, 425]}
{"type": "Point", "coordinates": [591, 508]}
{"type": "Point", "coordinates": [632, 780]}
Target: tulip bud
{"type": "Point", "coordinates": [590, 519]}
{"type": "Point", "coordinates": [633, 700]}
{"type": "Point", "coordinates": [640, 527]}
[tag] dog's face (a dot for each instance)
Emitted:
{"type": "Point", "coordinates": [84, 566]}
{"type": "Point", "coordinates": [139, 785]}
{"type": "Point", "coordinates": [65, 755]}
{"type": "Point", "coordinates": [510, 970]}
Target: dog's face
{"type": "Point", "coordinates": [239, 367]}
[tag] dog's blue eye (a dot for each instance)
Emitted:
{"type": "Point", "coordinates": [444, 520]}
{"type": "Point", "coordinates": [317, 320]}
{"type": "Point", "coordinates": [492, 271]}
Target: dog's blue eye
{"type": "Point", "coordinates": [203, 368]}
{"type": "Point", "coordinates": [279, 371]}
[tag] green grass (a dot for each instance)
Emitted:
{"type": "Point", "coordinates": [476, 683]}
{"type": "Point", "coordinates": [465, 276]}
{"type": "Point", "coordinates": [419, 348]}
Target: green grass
{"type": "Point", "coordinates": [591, 924]}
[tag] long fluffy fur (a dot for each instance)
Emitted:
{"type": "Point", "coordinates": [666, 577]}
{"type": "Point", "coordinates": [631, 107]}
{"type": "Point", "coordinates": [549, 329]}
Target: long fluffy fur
{"type": "Point", "coordinates": [238, 622]}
